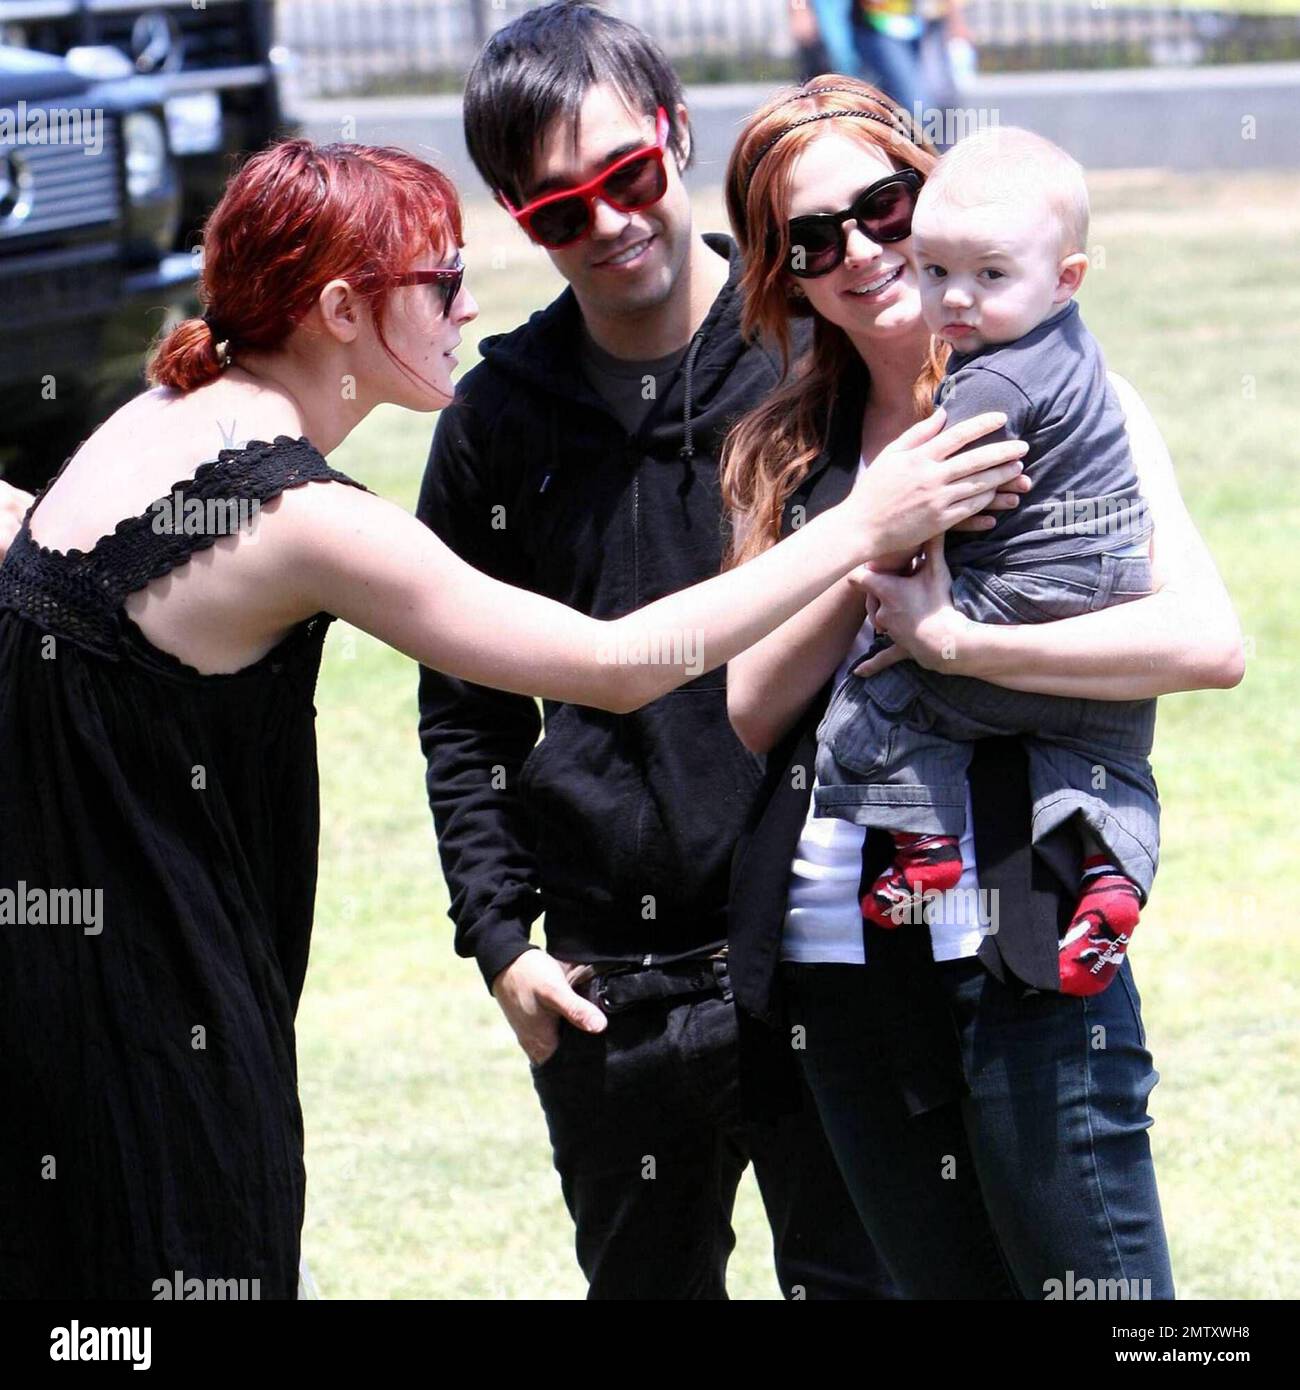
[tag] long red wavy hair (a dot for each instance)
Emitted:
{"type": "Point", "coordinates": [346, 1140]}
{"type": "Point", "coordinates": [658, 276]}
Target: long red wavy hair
{"type": "Point", "coordinates": [769, 451]}
{"type": "Point", "coordinates": [294, 217]}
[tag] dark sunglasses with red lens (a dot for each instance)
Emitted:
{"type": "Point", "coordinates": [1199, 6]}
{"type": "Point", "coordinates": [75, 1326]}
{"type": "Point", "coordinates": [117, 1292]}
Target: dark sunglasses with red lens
{"type": "Point", "coordinates": [632, 182]}
{"type": "Point", "coordinates": [450, 277]}
{"type": "Point", "coordinates": [818, 241]}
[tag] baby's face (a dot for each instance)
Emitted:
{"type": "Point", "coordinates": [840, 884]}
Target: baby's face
{"type": "Point", "coordinates": [989, 273]}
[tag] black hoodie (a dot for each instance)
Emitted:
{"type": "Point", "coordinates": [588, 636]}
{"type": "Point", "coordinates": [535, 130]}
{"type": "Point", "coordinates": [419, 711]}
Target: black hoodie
{"type": "Point", "coordinates": [619, 827]}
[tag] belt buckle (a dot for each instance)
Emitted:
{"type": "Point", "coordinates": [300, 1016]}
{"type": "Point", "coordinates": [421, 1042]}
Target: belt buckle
{"type": "Point", "coordinates": [599, 989]}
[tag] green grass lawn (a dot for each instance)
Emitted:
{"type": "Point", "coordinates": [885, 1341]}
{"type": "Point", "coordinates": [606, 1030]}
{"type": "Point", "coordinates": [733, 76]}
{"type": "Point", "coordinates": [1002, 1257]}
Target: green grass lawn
{"type": "Point", "coordinates": [429, 1170]}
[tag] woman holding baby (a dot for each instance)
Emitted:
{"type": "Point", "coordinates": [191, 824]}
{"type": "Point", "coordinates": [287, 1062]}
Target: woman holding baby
{"type": "Point", "coordinates": [961, 1004]}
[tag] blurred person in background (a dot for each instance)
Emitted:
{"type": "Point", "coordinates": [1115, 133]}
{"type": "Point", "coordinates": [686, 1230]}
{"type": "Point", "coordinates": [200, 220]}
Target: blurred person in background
{"type": "Point", "coordinates": [916, 51]}
{"type": "Point", "coordinates": [835, 24]}
{"type": "Point", "coordinates": [810, 51]}
{"type": "Point", "coordinates": [903, 46]}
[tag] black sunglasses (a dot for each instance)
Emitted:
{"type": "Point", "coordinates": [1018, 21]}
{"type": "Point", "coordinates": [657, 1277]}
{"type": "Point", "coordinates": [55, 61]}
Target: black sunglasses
{"type": "Point", "coordinates": [818, 242]}
{"type": "Point", "coordinates": [450, 277]}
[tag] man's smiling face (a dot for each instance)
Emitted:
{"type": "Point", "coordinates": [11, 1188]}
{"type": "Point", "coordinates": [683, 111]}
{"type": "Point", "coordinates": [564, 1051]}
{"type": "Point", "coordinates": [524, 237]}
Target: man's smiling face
{"type": "Point", "coordinates": [630, 261]}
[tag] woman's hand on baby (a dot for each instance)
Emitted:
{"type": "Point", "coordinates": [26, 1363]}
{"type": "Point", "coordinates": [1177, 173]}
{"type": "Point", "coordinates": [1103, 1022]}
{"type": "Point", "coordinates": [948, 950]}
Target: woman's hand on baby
{"type": "Point", "coordinates": [917, 612]}
{"type": "Point", "coordinates": [923, 483]}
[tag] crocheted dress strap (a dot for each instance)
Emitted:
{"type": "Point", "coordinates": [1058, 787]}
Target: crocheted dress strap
{"type": "Point", "coordinates": [80, 594]}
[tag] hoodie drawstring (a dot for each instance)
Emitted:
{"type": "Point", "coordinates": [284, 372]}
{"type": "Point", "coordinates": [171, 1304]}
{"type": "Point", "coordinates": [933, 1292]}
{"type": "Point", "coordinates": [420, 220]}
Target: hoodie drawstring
{"type": "Point", "coordinates": [553, 462]}
{"type": "Point", "coordinates": [687, 452]}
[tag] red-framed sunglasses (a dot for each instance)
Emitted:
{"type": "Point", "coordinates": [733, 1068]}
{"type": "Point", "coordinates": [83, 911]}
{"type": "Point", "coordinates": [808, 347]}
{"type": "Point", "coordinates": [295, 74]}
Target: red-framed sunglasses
{"type": "Point", "coordinates": [450, 277]}
{"type": "Point", "coordinates": [637, 180]}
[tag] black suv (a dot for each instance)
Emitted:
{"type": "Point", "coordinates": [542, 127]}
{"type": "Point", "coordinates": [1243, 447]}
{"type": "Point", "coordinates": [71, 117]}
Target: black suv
{"type": "Point", "coordinates": [119, 120]}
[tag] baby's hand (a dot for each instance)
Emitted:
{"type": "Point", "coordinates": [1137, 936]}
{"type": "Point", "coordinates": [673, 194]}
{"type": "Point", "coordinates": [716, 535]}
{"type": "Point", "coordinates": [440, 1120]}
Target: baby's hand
{"type": "Point", "coordinates": [1006, 499]}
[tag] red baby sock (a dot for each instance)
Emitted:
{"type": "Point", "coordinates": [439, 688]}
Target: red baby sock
{"type": "Point", "coordinates": [922, 864]}
{"type": "Point", "coordinates": [1093, 946]}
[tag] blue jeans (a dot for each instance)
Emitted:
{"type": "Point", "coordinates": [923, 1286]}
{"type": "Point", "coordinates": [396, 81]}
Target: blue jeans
{"type": "Point", "coordinates": [1041, 1173]}
{"type": "Point", "coordinates": [837, 28]}
{"type": "Point", "coordinates": [893, 65]}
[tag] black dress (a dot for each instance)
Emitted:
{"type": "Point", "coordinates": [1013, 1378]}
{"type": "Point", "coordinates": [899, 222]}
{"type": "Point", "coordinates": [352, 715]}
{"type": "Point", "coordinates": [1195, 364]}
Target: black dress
{"type": "Point", "coordinates": [158, 843]}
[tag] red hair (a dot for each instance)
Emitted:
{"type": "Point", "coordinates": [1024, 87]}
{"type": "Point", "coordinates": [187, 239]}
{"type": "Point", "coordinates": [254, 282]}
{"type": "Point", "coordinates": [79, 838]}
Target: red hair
{"type": "Point", "coordinates": [294, 217]}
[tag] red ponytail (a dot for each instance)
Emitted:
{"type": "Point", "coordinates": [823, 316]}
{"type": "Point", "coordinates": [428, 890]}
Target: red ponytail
{"type": "Point", "coordinates": [294, 217]}
{"type": "Point", "coordinates": [186, 357]}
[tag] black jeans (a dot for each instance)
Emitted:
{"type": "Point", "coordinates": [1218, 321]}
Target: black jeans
{"type": "Point", "coordinates": [650, 1144]}
{"type": "Point", "coordinates": [1037, 1180]}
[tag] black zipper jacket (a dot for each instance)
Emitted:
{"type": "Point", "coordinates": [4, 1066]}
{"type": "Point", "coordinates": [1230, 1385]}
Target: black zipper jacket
{"type": "Point", "coordinates": [619, 827]}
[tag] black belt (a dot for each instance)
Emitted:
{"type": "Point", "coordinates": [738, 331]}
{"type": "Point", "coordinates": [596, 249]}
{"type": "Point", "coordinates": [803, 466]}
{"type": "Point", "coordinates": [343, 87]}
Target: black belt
{"type": "Point", "coordinates": [624, 986]}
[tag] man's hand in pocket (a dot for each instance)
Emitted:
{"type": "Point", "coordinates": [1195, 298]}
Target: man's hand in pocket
{"type": "Point", "coordinates": [535, 992]}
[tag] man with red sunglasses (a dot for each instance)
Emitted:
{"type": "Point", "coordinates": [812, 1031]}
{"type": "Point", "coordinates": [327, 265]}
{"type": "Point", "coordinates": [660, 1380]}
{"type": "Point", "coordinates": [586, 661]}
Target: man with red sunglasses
{"type": "Point", "coordinates": [580, 460]}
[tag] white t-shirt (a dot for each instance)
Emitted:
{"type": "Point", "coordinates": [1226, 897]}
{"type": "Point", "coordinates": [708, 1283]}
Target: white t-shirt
{"type": "Point", "coordinates": [823, 919]}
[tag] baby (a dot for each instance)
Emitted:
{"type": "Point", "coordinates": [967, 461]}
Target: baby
{"type": "Point", "coordinates": [998, 242]}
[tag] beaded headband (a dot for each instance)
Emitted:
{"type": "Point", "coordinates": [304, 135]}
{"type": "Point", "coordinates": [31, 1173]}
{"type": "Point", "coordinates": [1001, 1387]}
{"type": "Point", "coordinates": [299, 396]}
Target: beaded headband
{"type": "Point", "coordinates": [899, 123]}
